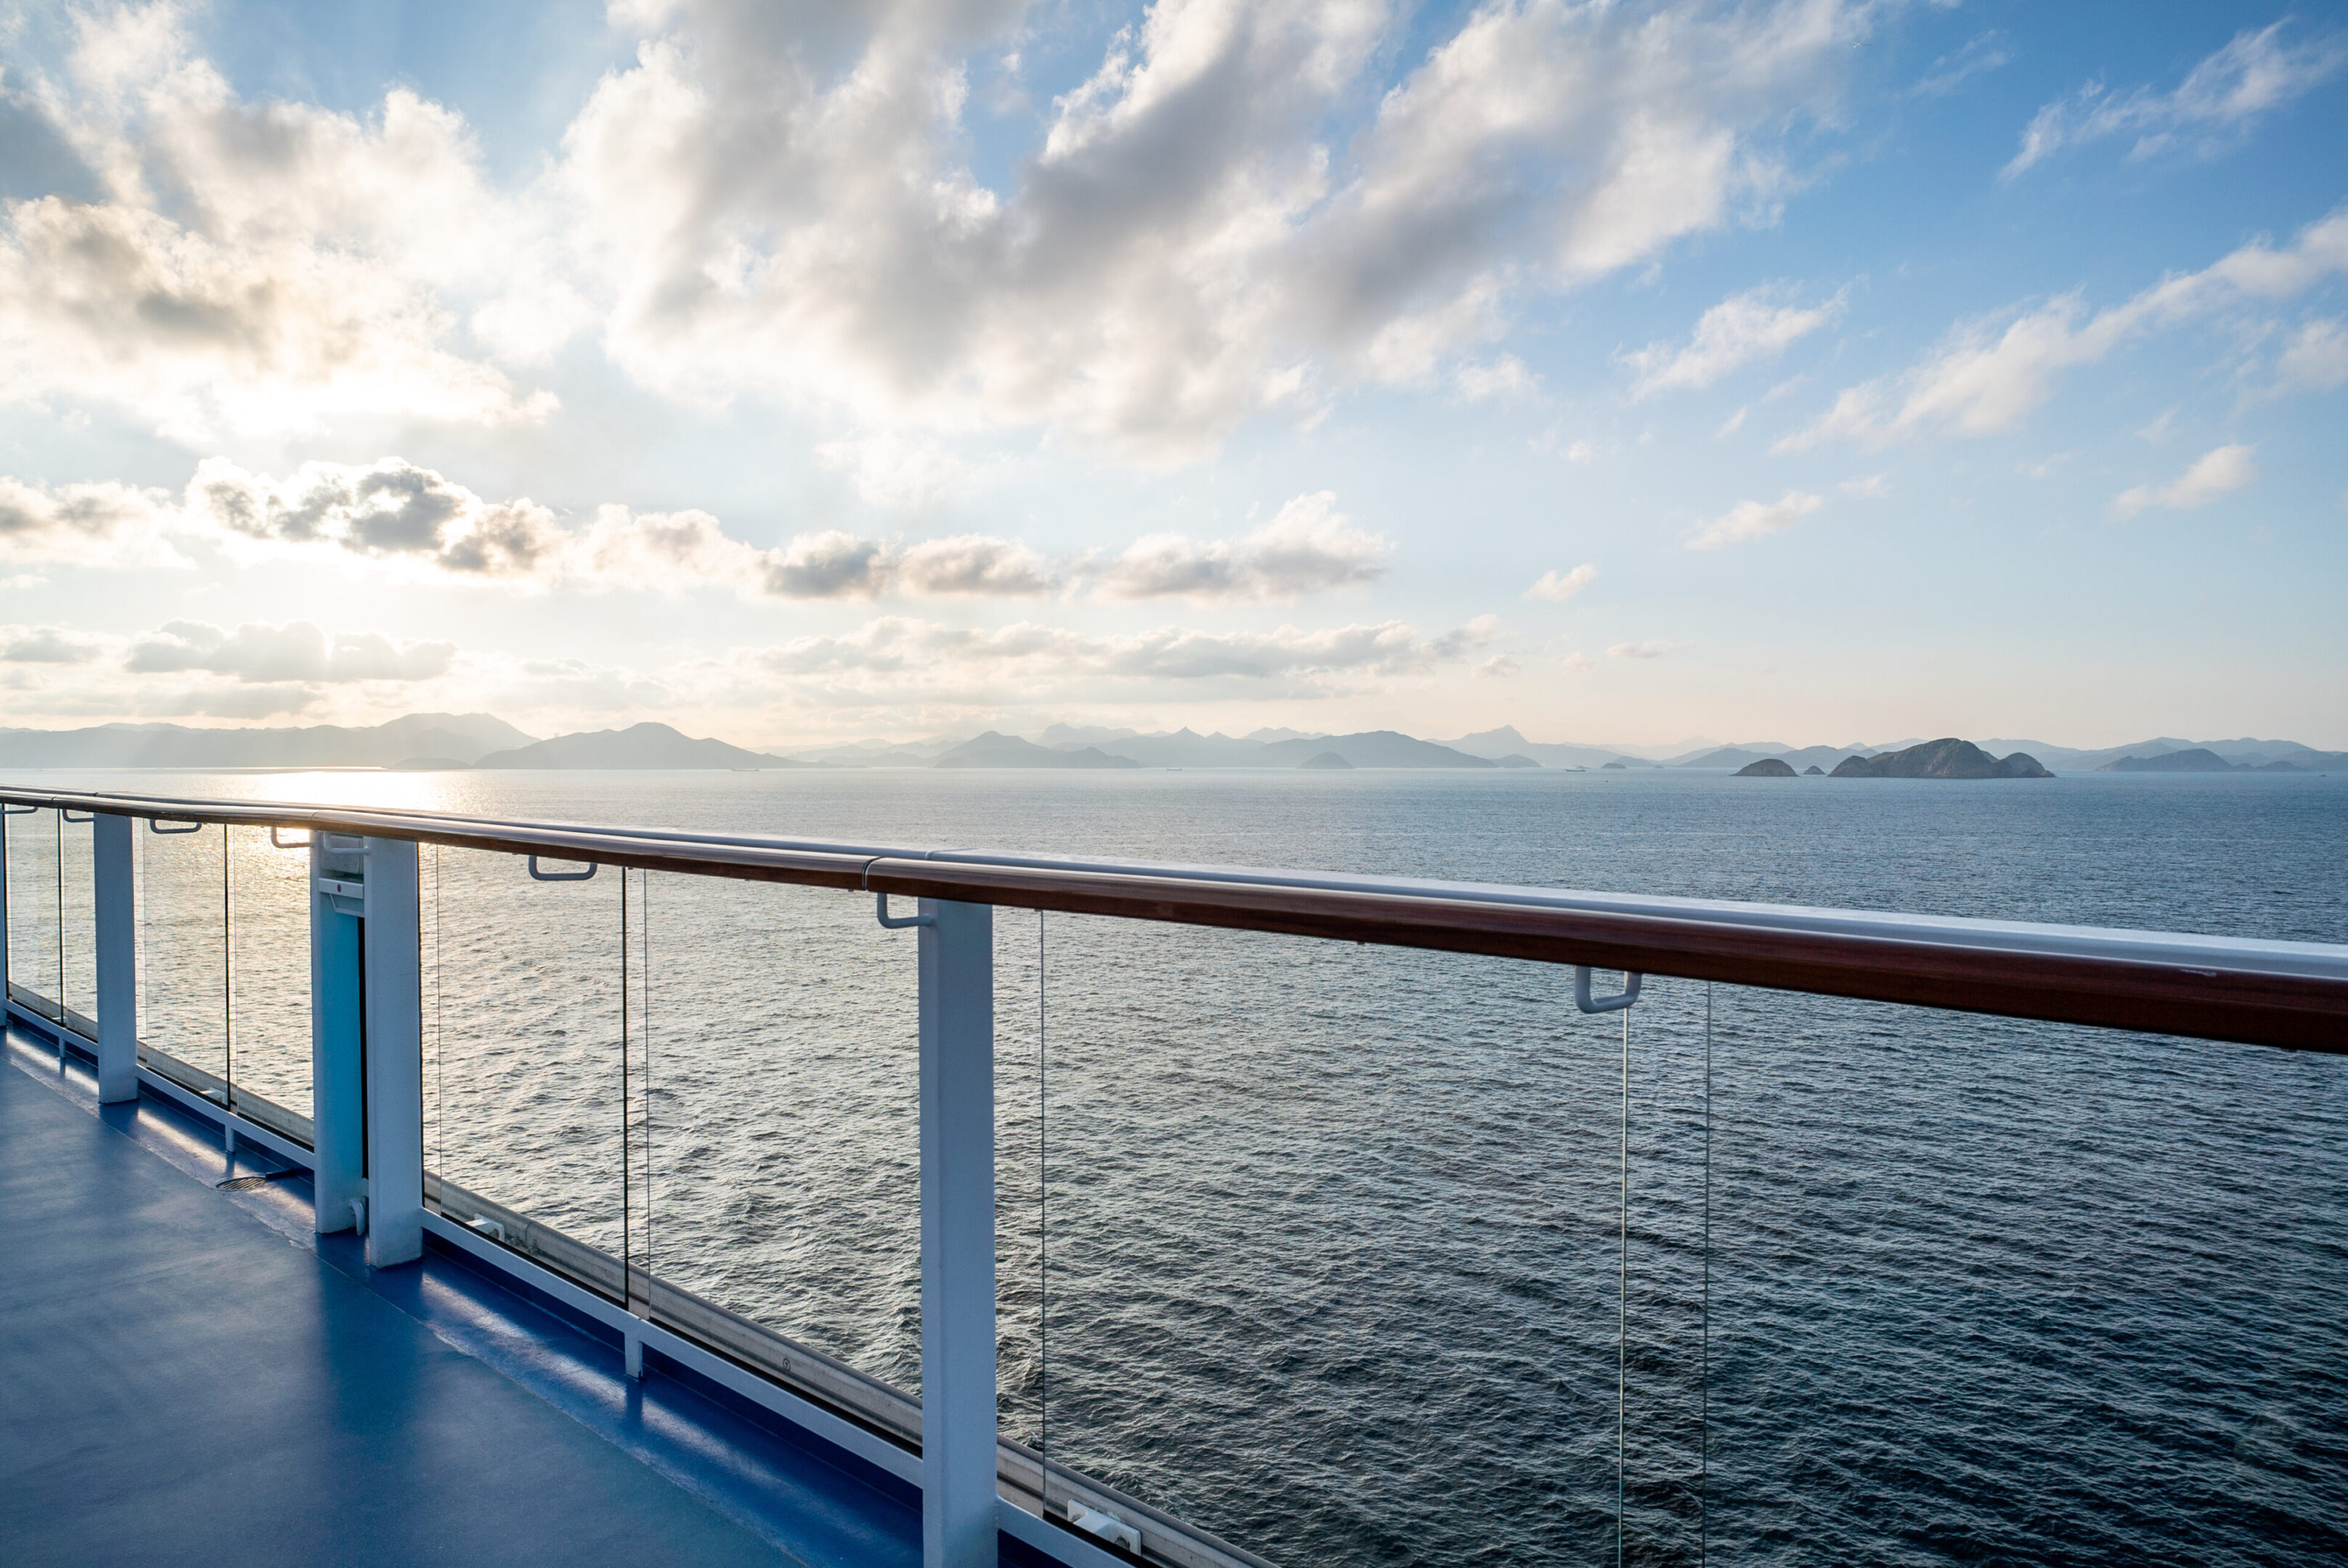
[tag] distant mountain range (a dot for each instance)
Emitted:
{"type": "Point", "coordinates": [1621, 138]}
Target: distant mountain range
{"type": "Point", "coordinates": [2202, 760]}
{"type": "Point", "coordinates": [638, 746]}
{"type": "Point", "coordinates": [424, 741]}
{"type": "Point", "coordinates": [992, 750]}
{"type": "Point", "coordinates": [457, 737]}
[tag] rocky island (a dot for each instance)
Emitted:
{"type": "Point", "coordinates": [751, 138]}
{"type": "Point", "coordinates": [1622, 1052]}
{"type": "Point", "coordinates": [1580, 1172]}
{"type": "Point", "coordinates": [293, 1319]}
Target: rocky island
{"type": "Point", "coordinates": [1767, 768]}
{"type": "Point", "coordinates": [1948, 758]}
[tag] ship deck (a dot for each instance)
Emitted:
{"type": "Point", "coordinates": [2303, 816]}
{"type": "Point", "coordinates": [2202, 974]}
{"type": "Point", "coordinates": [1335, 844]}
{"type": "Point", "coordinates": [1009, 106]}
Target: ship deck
{"type": "Point", "coordinates": [191, 1376]}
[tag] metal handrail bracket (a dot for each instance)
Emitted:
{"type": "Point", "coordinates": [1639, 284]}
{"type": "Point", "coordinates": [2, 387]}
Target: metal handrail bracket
{"type": "Point", "coordinates": [1622, 999]}
{"type": "Point", "coordinates": [901, 922]}
{"type": "Point", "coordinates": [538, 876]}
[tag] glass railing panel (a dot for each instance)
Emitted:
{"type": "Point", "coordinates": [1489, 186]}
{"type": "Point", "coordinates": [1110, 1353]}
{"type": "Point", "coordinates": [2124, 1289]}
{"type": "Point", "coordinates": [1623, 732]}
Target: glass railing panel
{"type": "Point", "coordinates": [522, 1001]}
{"type": "Point", "coordinates": [780, 1128]}
{"type": "Point", "coordinates": [269, 968]}
{"type": "Point", "coordinates": [1963, 1266]}
{"type": "Point", "coordinates": [1022, 1170]}
{"type": "Point", "coordinates": [1336, 1246]}
{"type": "Point", "coordinates": [1342, 1267]}
{"type": "Point", "coordinates": [183, 944]}
{"type": "Point", "coordinates": [78, 923]}
{"type": "Point", "coordinates": [34, 954]}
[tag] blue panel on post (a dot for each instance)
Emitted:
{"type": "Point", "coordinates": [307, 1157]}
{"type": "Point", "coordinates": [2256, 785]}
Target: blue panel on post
{"type": "Point", "coordinates": [958, 1424]}
{"type": "Point", "coordinates": [337, 1042]}
{"type": "Point", "coordinates": [113, 900]}
{"type": "Point", "coordinates": [393, 1022]}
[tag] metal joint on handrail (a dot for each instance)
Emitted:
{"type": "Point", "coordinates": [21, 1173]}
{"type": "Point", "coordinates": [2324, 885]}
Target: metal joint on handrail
{"type": "Point", "coordinates": [277, 842]}
{"type": "Point", "coordinates": [900, 923]}
{"type": "Point", "coordinates": [1615, 1003]}
{"type": "Point", "coordinates": [155, 824]}
{"type": "Point", "coordinates": [538, 876]}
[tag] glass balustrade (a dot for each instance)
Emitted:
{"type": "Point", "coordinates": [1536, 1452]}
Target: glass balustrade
{"type": "Point", "coordinates": [1348, 1252]}
{"type": "Point", "coordinates": [77, 914]}
{"type": "Point", "coordinates": [780, 1132]}
{"type": "Point", "coordinates": [268, 970]}
{"type": "Point", "coordinates": [1342, 1265]}
{"type": "Point", "coordinates": [522, 990]}
{"type": "Point", "coordinates": [36, 931]}
{"type": "Point", "coordinates": [1335, 1247]}
{"type": "Point", "coordinates": [183, 898]}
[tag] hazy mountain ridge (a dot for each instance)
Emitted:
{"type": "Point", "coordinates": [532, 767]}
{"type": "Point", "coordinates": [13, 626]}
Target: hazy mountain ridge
{"type": "Point", "coordinates": [487, 741]}
{"type": "Point", "coordinates": [461, 737]}
{"type": "Point", "coordinates": [646, 745]}
{"type": "Point", "coordinates": [996, 750]}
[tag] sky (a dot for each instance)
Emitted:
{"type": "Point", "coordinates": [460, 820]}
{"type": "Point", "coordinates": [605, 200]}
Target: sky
{"type": "Point", "coordinates": [1823, 371]}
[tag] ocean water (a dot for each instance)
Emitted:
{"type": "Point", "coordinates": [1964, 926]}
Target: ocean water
{"type": "Point", "coordinates": [1325, 1248]}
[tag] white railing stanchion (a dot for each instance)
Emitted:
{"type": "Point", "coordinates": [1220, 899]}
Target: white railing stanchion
{"type": "Point", "coordinates": [116, 918]}
{"type": "Point", "coordinates": [957, 1095]}
{"type": "Point", "coordinates": [337, 1089]}
{"type": "Point", "coordinates": [393, 1053]}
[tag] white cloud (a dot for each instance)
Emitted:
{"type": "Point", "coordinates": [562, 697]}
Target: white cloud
{"type": "Point", "coordinates": [2316, 359]}
{"type": "Point", "coordinates": [88, 525]}
{"type": "Point", "coordinates": [264, 267]}
{"type": "Point", "coordinates": [1556, 587]}
{"type": "Point", "coordinates": [1308, 547]}
{"type": "Point", "coordinates": [1574, 664]}
{"type": "Point", "coordinates": [1987, 53]}
{"type": "Point", "coordinates": [827, 564]}
{"type": "Point", "coordinates": [297, 651]}
{"type": "Point", "coordinates": [1737, 331]}
{"type": "Point", "coordinates": [390, 511]}
{"type": "Point", "coordinates": [1868, 486]}
{"type": "Point", "coordinates": [1749, 520]}
{"type": "Point", "coordinates": [2254, 74]}
{"type": "Point", "coordinates": [412, 520]}
{"type": "Point", "coordinates": [973, 564]}
{"type": "Point", "coordinates": [1499, 667]}
{"type": "Point", "coordinates": [895, 658]}
{"type": "Point", "coordinates": [1988, 374]}
{"type": "Point", "coordinates": [1504, 378]}
{"type": "Point", "coordinates": [1651, 650]}
{"type": "Point", "coordinates": [673, 551]}
{"type": "Point", "coordinates": [45, 645]}
{"type": "Point", "coordinates": [2219, 472]}
{"type": "Point", "coordinates": [766, 214]}
{"type": "Point", "coordinates": [783, 203]}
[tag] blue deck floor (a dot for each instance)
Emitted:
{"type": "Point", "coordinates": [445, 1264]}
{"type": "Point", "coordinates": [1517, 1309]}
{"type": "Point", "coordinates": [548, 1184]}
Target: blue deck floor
{"type": "Point", "coordinates": [187, 1377]}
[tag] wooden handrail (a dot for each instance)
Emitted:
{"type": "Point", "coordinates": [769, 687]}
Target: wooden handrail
{"type": "Point", "coordinates": [2289, 994]}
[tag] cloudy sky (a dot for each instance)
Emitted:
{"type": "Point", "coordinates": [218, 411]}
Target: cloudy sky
{"type": "Point", "coordinates": [1818, 370]}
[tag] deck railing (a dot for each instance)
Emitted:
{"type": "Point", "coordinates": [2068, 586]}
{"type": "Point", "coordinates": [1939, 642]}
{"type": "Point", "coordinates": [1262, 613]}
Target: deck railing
{"type": "Point", "coordinates": [412, 925]}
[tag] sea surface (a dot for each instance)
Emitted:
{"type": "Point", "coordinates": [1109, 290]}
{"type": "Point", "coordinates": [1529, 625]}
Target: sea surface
{"type": "Point", "coordinates": [1326, 1248]}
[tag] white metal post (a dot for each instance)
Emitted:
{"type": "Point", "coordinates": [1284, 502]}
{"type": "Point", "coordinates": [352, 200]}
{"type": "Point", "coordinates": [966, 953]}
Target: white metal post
{"type": "Point", "coordinates": [957, 1072]}
{"type": "Point", "coordinates": [394, 1012]}
{"type": "Point", "coordinates": [117, 958]}
{"type": "Point", "coordinates": [338, 1042]}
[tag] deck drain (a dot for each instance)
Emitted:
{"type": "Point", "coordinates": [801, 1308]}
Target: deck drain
{"type": "Point", "coordinates": [253, 1183]}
